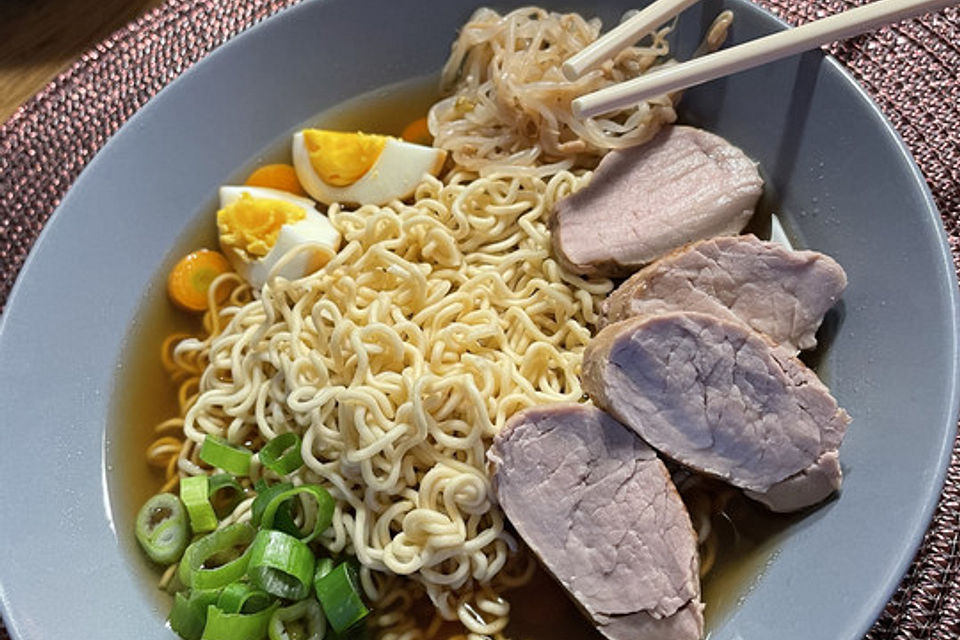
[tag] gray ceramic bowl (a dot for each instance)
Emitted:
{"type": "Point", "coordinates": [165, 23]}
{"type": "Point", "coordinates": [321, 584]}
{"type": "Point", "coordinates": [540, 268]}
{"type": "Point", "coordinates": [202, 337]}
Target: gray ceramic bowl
{"type": "Point", "coordinates": [836, 170]}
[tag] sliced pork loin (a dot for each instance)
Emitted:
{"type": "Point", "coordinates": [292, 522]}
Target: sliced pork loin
{"type": "Point", "coordinates": [781, 293]}
{"type": "Point", "coordinates": [599, 509]}
{"type": "Point", "coordinates": [719, 398]}
{"type": "Point", "coordinates": [643, 202]}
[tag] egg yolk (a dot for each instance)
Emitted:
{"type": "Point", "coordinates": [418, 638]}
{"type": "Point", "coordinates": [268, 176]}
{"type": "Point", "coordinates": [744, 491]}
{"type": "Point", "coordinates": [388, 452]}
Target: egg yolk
{"type": "Point", "coordinates": [253, 224]}
{"type": "Point", "coordinates": [341, 158]}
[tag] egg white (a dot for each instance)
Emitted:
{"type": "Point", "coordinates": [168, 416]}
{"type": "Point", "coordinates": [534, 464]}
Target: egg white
{"type": "Point", "coordinates": [314, 232]}
{"type": "Point", "coordinates": [398, 170]}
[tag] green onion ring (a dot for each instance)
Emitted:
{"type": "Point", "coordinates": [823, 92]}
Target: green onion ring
{"type": "Point", "coordinates": [324, 566]}
{"type": "Point", "coordinates": [283, 520]}
{"type": "Point", "coordinates": [219, 453]}
{"type": "Point", "coordinates": [264, 495]}
{"type": "Point", "coordinates": [339, 595]}
{"type": "Point", "coordinates": [281, 564]}
{"type": "Point", "coordinates": [224, 482]}
{"type": "Point", "coordinates": [189, 613]}
{"type": "Point", "coordinates": [306, 614]}
{"type": "Point", "coordinates": [195, 497]}
{"type": "Point", "coordinates": [162, 529]}
{"type": "Point", "coordinates": [325, 505]}
{"type": "Point", "coordinates": [192, 572]}
{"type": "Point", "coordinates": [282, 454]}
{"type": "Point", "coordinates": [242, 597]}
{"type": "Point", "coordinates": [237, 626]}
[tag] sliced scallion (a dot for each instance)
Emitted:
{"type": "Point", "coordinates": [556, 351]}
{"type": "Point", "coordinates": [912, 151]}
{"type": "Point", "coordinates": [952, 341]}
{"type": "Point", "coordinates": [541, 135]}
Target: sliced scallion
{"type": "Point", "coordinates": [225, 493]}
{"type": "Point", "coordinates": [281, 564]}
{"type": "Point", "coordinates": [237, 626]}
{"type": "Point", "coordinates": [189, 613]}
{"type": "Point", "coordinates": [195, 497]}
{"type": "Point", "coordinates": [242, 597]}
{"type": "Point", "coordinates": [324, 566]}
{"type": "Point", "coordinates": [221, 547]}
{"type": "Point", "coordinates": [283, 516]}
{"type": "Point", "coordinates": [325, 505]}
{"type": "Point", "coordinates": [282, 454]}
{"type": "Point", "coordinates": [162, 529]}
{"type": "Point", "coordinates": [339, 595]}
{"type": "Point", "coordinates": [301, 621]}
{"type": "Point", "coordinates": [219, 453]}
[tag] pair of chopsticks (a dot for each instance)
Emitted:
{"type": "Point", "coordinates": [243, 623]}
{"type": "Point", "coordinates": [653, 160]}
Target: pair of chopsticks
{"type": "Point", "coordinates": [725, 62]}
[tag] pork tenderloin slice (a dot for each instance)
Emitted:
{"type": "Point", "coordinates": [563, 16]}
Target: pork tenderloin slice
{"type": "Point", "coordinates": [719, 398]}
{"type": "Point", "coordinates": [781, 293]}
{"type": "Point", "coordinates": [813, 485]}
{"type": "Point", "coordinates": [685, 184]}
{"type": "Point", "coordinates": [598, 508]}
{"type": "Point", "coordinates": [686, 623]}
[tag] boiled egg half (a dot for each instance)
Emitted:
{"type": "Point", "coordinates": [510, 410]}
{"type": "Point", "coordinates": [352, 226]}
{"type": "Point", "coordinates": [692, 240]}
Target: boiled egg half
{"type": "Point", "coordinates": [258, 227]}
{"type": "Point", "coordinates": [361, 168]}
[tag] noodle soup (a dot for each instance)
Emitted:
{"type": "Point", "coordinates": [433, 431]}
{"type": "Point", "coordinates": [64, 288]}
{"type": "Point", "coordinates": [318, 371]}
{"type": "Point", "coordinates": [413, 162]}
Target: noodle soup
{"type": "Point", "coordinates": [442, 314]}
{"type": "Point", "coordinates": [747, 537]}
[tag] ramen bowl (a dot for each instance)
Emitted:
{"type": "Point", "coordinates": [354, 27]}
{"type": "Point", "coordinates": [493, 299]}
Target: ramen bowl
{"type": "Point", "coordinates": [837, 175]}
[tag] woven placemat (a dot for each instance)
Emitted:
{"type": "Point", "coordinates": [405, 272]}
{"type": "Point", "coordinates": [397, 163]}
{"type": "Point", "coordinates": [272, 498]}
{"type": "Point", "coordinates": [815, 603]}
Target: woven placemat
{"type": "Point", "coordinates": [909, 69]}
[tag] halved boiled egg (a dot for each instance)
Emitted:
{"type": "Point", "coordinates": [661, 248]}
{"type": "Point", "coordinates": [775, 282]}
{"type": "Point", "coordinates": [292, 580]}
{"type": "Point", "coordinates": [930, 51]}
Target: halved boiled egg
{"type": "Point", "coordinates": [258, 227]}
{"type": "Point", "coordinates": [361, 168]}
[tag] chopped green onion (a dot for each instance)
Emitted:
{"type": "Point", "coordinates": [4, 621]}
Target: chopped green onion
{"type": "Point", "coordinates": [339, 595]}
{"type": "Point", "coordinates": [283, 519]}
{"type": "Point", "coordinates": [237, 626]}
{"type": "Point", "coordinates": [325, 506]}
{"type": "Point", "coordinates": [162, 528]}
{"type": "Point", "coordinates": [282, 454]}
{"type": "Point", "coordinates": [185, 620]}
{"type": "Point", "coordinates": [189, 613]}
{"type": "Point", "coordinates": [224, 505]}
{"type": "Point", "coordinates": [193, 494]}
{"type": "Point", "coordinates": [264, 495]}
{"type": "Point", "coordinates": [324, 566]}
{"type": "Point", "coordinates": [242, 597]}
{"type": "Point", "coordinates": [280, 564]}
{"type": "Point", "coordinates": [214, 547]}
{"type": "Point", "coordinates": [219, 453]}
{"type": "Point", "coordinates": [301, 621]}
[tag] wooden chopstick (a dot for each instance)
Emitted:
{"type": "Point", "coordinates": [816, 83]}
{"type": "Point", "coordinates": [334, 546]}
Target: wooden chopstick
{"type": "Point", "coordinates": [622, 36]}
{"type": "Point", "coordinates": [752, 54]}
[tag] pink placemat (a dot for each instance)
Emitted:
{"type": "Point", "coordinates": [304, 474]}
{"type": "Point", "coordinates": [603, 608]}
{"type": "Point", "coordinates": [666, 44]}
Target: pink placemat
{"type": "Point", "coordinates": [911, 70]}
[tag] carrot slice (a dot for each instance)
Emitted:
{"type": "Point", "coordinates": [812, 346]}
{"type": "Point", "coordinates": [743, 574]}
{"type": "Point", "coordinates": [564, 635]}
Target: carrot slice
{"type": "Point", "coordinates": [190, 279]}
{"type": "Point", "coordinates": [417, 132]}
{"type": "Point", "coordinates": [276, 176]}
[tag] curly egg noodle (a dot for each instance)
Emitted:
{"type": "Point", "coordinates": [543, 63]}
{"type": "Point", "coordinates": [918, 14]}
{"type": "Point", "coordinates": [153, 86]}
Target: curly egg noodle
{"type": "Point", "coordinates": [509, 106]}
{"type": "Point", "coordinates": [397, 364]}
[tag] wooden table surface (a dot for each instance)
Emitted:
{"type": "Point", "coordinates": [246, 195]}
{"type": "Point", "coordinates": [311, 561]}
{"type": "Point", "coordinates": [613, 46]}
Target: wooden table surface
{"type": "Point", "coordinates": [40, 38]}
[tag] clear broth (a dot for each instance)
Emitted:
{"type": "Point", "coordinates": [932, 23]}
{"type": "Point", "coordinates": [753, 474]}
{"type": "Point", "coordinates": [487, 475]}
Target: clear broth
{"type": "Point", "coordinates": [144, 397]}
